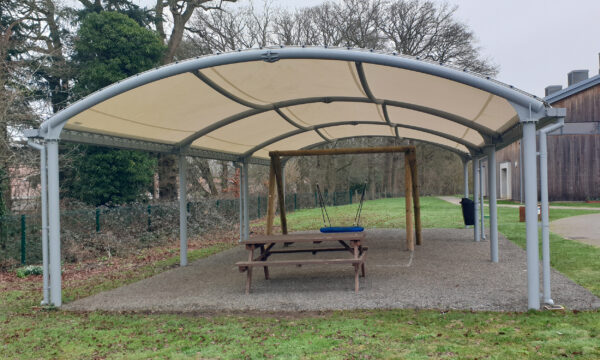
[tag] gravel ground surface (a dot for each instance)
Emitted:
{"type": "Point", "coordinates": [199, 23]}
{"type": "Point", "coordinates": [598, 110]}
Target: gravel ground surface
{"type": "Point", "coordinates": [449, 271]}
{"type": "Point", "coordinates": [584, 228]}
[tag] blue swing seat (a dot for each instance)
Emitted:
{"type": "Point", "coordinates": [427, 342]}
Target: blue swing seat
{"type": "Point", "coordinates": [341, 229]}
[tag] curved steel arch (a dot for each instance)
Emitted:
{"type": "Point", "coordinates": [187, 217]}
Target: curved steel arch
{"type": "Point", "coordinates": [266, 143]}
{"type": "Point", "coordinates": [447, 148]}
{"type": "Point", "coordinates": [51, 128]}
{"type": "Point", "coordinates": [486, 133]}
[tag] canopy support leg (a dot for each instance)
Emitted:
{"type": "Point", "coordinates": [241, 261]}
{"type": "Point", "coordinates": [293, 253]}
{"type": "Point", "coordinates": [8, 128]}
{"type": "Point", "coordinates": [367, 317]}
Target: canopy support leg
{"type": "Point", "coordinates": [183, 213]}
{"type": "Point", "coordinates": [545, 210]}
{"type": "Point", "coordinates": [245, 183]}
{"type": "Point", "coordinates": [530, 174]}
{"type": "Point", "coordinates": [240, 200]}
{"type": "Point", "coordinates": [493, 207]}
{"type": "Point", "coordinates": [476, 190]}
{"type": "Point", "coordinates": [466, 177]}
{"type": "Point", "coordinates": [481, 207]}
{"type": "Point", "coordinates": [54, 224]}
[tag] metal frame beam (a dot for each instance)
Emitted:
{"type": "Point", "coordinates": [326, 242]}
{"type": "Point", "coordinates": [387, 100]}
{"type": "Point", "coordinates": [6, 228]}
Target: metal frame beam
{"type": "Point", "coordinates": [44, 195]}
{"type": "Point", "coordinates": [487, 134]}
{"type": "Point", "coordinates": [341, 123]}
{"type": "Point", "coordinates": [183, 212]}
{"type": "Point", "coordinates": [546, 286]}
{"type": "Point", "coordinates": [531, 229]}
{"type": "Point", "coordinates": [493, 204]}
{"type": "Point", "coordinates": [55, 123]}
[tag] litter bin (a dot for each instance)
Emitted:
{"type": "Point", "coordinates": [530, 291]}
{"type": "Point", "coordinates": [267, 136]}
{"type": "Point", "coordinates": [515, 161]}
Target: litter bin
{"type": "Point", "coordinates": [468, 210]}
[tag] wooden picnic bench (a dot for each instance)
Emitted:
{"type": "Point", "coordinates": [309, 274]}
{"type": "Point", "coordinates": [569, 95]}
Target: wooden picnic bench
{"type": "Point", "coordinates": [350, 242]}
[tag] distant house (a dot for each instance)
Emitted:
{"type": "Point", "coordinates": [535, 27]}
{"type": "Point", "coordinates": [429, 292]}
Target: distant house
{"type": "Point", "coordinates": [573, 151]}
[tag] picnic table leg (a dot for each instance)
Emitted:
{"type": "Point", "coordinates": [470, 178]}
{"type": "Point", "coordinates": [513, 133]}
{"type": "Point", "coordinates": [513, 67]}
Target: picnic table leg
{"type": "Point", "coordinates": [265, 268]}
{"type": "Point", "coordinates": [249, 276]}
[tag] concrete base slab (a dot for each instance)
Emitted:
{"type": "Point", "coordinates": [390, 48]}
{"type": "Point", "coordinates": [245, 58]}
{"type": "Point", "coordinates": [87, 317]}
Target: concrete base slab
{"type": "Point", "coordinates": [449, 271]}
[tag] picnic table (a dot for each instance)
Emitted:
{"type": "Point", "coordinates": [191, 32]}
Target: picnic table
{"type": "Point", "coordinates": [351, 242]}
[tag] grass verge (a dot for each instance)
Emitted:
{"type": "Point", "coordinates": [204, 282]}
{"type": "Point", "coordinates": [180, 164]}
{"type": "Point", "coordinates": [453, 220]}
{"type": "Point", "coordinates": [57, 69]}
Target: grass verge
{"type": "Point", "coordinates": [28, 331]}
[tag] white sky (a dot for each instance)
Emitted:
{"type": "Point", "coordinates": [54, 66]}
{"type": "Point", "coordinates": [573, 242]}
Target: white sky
{"type": "Point", "coordinates": [535, 42]}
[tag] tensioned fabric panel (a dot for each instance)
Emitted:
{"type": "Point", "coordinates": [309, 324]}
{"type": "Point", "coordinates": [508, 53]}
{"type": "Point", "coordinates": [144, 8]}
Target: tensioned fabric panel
{"type": "Point", "coordinates": [497, 108]}
{"type": "Point", "coordinates": [321, 113]}
{"type": "Point", "coordinates": [180, 107]}
{"type": "Point", "coordinates": [336, 132]}
{"type": "Point", "coordinates": [438, 93]}
{"type": "Point", "coordinates": [244, 134]}
{"type": "Point", "coordinates": [262, 82]}
{"type": "Point", "coordinates": [167, 110]}
{"type": "Point", "coordinates": [292, 143]}
{"type": "Point", "coordinates": [418, 135]}
{"type": "Point", "coordinates": [416, 118]}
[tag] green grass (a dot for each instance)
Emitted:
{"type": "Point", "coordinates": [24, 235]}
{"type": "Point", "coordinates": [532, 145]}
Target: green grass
{"type": "Point", "coordinates": [27, 331]}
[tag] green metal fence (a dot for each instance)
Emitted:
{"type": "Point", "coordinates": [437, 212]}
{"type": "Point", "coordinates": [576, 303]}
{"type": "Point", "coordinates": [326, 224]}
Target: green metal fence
{"type": "Point", "coordinates": [139, 225]}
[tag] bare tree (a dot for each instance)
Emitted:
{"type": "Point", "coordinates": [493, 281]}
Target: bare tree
{"type": "Point", "coordinates": [180, 13]}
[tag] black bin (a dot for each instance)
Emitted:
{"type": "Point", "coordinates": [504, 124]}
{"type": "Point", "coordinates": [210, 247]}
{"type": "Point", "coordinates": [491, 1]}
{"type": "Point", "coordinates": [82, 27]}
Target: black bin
{"type": "Point", "coordinates": [468, 210]}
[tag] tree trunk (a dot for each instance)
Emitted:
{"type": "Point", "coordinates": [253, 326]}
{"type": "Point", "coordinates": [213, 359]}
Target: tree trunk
{"type": "Point", "coordinates": [167, 176]}
{"type": "Point", "coordinates": [224, 176]}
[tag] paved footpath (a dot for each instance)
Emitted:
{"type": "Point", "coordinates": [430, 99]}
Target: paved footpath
{"type": "Point", "coordinates": [583, 228]}
{"type": "Point", "coordinates": [456, 201]}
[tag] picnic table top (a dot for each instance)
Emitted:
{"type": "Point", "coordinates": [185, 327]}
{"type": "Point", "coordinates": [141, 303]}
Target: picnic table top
{"type": "Point", "coordinates": [264, 239]}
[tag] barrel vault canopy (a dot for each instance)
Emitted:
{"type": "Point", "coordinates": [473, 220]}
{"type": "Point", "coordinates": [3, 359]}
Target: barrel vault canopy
{"type": "Point", "coordinates": [247, 103]}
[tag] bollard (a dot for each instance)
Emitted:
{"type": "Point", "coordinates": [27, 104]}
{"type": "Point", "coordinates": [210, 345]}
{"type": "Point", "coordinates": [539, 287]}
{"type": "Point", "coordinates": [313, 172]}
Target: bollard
{"type": "Point", "coordinates": [97, 220]}
{"type": "Point", "coordinates": [295, 201]}
{"type": "Point", "coordinates": [23, 240]}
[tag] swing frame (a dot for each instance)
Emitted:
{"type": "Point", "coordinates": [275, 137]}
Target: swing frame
{"type": "Point", "coordinates": [411, 185]}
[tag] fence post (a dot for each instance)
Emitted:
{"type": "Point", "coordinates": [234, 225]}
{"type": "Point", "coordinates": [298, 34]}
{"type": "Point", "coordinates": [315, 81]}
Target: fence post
{"type": "Point", "coordinates": [97, 220]}
{"type": "Point", "coordinates": [295, 201]}
{"type": "Point", "coordinates": [149, 217]}
{"type": "Point", "coordinates": [315, 199]}
{"type": "Point", "coordinates": [23, 240]}
{"type": "Point", "coordinates": [350, 196]}
{"type": "Point", "coordinates": [258, 206]}
{"type": "Point", "coordinates": [334, 198]}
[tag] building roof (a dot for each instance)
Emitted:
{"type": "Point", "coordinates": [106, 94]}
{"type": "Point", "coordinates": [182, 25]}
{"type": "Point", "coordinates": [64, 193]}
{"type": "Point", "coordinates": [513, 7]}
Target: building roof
{"type": "Point", "coordinates": [573, 89]}
{"type": "Point", "coordinates": [246, 103]}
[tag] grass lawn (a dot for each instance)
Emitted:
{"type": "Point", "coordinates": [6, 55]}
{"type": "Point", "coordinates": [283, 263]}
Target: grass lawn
{"type": "Point", "coordinates": [28, 331]}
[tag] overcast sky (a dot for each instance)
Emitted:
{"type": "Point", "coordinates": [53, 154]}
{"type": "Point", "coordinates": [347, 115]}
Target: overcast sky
{"type": "Point", "coordinates": [535, 42]}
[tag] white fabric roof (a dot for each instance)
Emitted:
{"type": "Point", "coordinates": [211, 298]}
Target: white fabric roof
{"type": "Point", "coordinates": [251, 102]}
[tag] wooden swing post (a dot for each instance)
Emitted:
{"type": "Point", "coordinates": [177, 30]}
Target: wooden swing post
{"type": "Point", "coordinates": [413, 207]}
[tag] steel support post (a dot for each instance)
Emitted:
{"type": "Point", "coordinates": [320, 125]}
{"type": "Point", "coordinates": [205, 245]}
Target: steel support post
{"type": "Point", "coordinates": [54, 224]}
{"type": "Point", "coordinates": [44, 190]}
{"type": "Point", "coordinates": [245, 200]}
{"type": "Point", "coordinates": [476, 190]}
{"type": "Point", "coordinates": [529, 178]}
{"type": "Point", "coordinates": [493, 207]}
{"type": "Point", "coordinates": [183, 212]}
{"type": "Point", "coordinates": [547, 291]}
{"type": "Point", "coordinates": [44, 195]}
{"type": "Point", "coordinates": [240, 201]}
{"type": "Point", "coordinates": [466, 177]}
{"type": "Point", "coordinates": [482, 207]}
